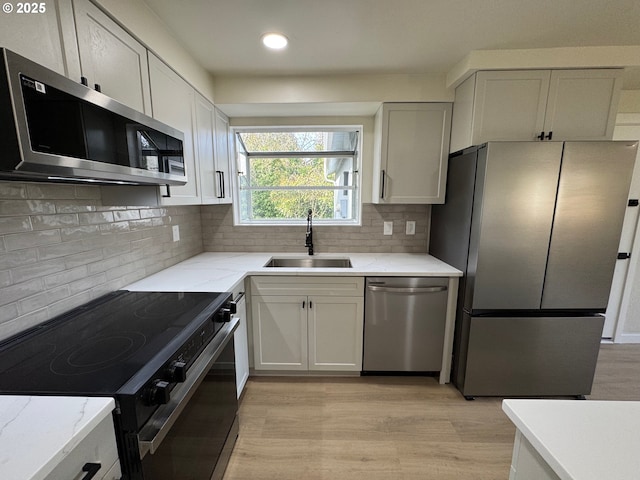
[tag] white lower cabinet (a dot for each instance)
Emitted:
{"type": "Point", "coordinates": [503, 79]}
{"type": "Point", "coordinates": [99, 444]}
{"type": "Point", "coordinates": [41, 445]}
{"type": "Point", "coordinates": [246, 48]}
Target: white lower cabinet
{"type": "Point", "coordinates": [241, 343]}
{"type": "Point", "coordinates": [527, 463]}
{"type": "Point", "coordinates": [302, 323]}
{"type": "Point", "coordinates": [99, 449]}
{"type": "Point", "coordinates": [335, 330]}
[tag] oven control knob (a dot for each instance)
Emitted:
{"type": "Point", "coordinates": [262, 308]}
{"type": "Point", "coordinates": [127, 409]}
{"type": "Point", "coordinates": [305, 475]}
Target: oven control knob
{"type": "Point", "coordinates": [177, 372]}
{"type": "Point", "coordinates": [158, 393]}
{"type": "Point", "coordinates": [223, 315]}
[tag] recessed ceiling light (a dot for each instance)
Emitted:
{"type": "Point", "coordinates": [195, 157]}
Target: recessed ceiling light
{"type": "Point", "coordinates": [276, 41]}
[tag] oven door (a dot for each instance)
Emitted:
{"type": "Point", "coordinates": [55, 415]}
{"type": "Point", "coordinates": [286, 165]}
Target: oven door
{"type": "Point", "coordinates": [195, 438]}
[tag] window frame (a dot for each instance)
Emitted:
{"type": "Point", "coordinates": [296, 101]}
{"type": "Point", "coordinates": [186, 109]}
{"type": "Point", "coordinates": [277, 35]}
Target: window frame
{"type": "Point", "coordinates": [356, 174]}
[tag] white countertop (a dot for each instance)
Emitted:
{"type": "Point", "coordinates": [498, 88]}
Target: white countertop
{"type": "Point", "coordinates": [582, 439]}
{"type": "Point", "coordinates": [37, 433]}
{"type": "Point", "coordinates": [219, 272]}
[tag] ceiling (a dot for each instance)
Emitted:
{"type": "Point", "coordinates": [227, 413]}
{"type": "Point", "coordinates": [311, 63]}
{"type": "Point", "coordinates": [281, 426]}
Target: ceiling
{"type": "Point", "coordinates": [388, 36]}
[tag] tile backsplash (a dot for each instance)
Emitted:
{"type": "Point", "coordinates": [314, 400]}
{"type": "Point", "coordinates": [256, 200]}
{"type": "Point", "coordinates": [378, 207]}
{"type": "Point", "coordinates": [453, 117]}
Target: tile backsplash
{"type": "Point", "coordinates": [60, 247]}
{"type": "Point", "coordinates": [220, 235]}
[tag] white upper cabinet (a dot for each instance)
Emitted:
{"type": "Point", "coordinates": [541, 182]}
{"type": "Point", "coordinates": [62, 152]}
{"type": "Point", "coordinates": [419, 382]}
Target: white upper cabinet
{"type": "Point", "coordinates": [212, 142]}
{"type": "Point", "coordinates": [174, 104]}
{"type": "Point", "coordinates": [205, 120]}
{"type": "Point", "coordinates": [222, 158]}
{"type": "Point", "coordinates": [410, 156]}
{"type": "Point", "coordinates": [582, 104]}
{"type": "Point", "coordinates": [47, 38]}
{"type": "Point", "coordinates": [508, 105]}
{"type": "Point", "coordinates": [112, 58]}
{"type": "Point", "coordinates": [535, 105]}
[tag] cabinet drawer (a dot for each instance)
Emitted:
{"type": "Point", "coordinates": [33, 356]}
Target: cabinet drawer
{"type": "Point", "coordinates": [303, 285]}
{"type": "Point", "coordinates": [99, 446]}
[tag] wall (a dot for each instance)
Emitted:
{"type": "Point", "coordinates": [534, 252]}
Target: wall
{"type": "Point", "coordinates": [59, 248]}
{"type": "Point", "coordinates": [629, 101]}
{"type": "Point", "coordinates": [623, 311]}
{"type": "Point", "coordinates": [220, 235]}
{"type": "Point", "coordinates": [332, 88]}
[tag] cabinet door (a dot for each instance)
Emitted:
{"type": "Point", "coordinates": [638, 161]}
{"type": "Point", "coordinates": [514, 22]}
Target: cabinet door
{"type": "Point", "coordinates": [241, 346]}
{"type": "Point", "coordinates": [509, 105]}
{"type": "Point", "coordinates": [279, 332]}
{"type": "Point", "coordinates": [582, 104]}
{"type": "Point", "coordinates": [335, 333]}
{"type": "Point", "coordinates": [173, 104]}
{"type": "Point", "coordinates": [414, 151]}
{"type": "Point", "coordinates": [222, 158]}
{"type": "Point", "coordinates": [44, 37]}
{"type": "Point", "coordinates": [112, 58]}
{"type": "Point", "coordinates": [205, 117]}
{"type": "Point", "coordinates": [99, 446]}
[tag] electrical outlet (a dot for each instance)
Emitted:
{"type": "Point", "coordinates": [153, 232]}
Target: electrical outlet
{"type": "Point", "coordinates": [176, 233]}
{"type": "Point", "coordinates": [411, 227]}
{"type": "Point", "coordinates": [388, 228]}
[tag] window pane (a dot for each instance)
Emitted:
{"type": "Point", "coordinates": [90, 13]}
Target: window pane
{"type": "Point", "coordinates": [287, 204]}
{"type": "Point", "coordinates": [327, 141]}
{"type": "Point", "coordinates": [282, 174]}
{"type": "Point", "coordinates": [298, 172]}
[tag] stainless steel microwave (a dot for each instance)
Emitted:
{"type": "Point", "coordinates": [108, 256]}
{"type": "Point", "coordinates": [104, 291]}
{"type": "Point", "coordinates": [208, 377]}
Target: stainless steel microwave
{"type": "Point", "coordinates": [54, 129]}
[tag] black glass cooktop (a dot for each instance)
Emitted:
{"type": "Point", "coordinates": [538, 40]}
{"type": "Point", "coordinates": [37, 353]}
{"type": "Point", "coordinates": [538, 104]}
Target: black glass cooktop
{"type": "Point", "coordinates": [95, 349]}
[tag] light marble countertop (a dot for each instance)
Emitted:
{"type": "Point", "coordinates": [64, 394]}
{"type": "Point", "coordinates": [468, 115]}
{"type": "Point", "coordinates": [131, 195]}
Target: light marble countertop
{"type": "Point", "coordinates": [219, 272]}
{"type": "Point", "coordinates": [582, 439]}
{"type": "Point", "coordinates": [37, 433]}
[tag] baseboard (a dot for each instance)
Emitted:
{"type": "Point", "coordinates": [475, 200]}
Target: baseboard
{"type": "Point", "coordinates": [628, 338]}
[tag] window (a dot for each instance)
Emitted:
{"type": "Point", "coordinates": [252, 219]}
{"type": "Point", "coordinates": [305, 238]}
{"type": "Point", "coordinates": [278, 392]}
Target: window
{"type": "Point", "coordinates": [283, 172]}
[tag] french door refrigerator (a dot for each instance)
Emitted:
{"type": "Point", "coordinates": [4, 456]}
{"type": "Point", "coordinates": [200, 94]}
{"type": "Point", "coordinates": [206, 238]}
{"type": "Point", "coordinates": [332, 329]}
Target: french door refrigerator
{"type": "Point", "coordinates": [535, 228]}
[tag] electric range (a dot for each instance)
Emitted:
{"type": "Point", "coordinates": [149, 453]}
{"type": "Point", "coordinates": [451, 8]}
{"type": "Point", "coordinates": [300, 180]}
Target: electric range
{"type": "Point", "coordinates": [151, 351]}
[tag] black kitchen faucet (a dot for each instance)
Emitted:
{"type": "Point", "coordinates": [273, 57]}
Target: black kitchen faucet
{"type": "Point", "coordinates": [308, 241]}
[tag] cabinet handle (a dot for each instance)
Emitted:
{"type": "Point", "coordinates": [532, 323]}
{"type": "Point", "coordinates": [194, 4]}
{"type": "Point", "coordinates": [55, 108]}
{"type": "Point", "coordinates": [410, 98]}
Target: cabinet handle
{"type": "Point", "coordinates": [541, 136]}
{"type": "Point", "coordinates": [97, 87]}
{"type": "Point", "coordinates": [303, 304]}
{"type": "Point", "coordinates": [168, 195]}
{"type": "Point", "coordinates": [382, 181]}
{"type": "Point", "coordinates": [220, 184]}
{"type": "Point", "coordinates": [549, 136]}
{"type": "Point", "coordinates": [91, 469]}
{"type": "Point", "coordinates": [310, 304]}
{"type": "Point", "coordinates": [84, 81]}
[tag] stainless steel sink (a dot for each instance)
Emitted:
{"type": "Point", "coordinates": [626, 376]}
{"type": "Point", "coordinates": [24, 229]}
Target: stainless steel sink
{"type": "Point", "coordinates": [309, 262]}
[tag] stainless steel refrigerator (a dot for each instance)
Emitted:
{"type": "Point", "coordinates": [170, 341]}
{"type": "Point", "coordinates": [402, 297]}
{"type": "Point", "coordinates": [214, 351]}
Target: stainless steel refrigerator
{"type": "Point", "coordinates": [535, 228]}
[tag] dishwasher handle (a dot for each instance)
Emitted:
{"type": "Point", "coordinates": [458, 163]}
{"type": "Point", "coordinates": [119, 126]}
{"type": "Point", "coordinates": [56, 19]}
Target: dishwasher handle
{"type": "Point", "coordinates": [376, 288]}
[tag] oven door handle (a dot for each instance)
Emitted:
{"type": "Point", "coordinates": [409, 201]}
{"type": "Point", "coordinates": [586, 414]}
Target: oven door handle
{"type": "Point", "coordinates": [157, 427]}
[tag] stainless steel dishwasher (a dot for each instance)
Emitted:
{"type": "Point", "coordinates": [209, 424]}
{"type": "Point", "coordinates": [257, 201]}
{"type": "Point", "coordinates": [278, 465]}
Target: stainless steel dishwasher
{"type": "Point", "coordinates": [404, 324]}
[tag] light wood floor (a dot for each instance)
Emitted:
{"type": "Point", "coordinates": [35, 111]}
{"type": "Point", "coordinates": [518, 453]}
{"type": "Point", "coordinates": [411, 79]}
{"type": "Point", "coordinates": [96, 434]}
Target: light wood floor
{"type": "Point", "coordinates": [391, 428]}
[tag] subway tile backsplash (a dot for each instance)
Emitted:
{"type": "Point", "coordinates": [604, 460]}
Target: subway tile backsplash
{"type": "Point", "coordinates": [220, 235]}
{"type": "Point", "coordinates": [60, 247]}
